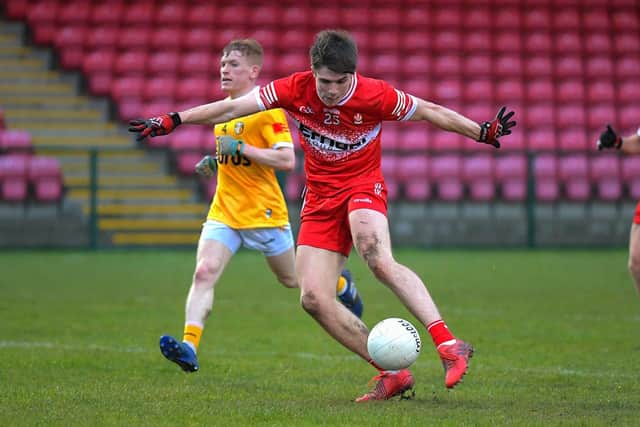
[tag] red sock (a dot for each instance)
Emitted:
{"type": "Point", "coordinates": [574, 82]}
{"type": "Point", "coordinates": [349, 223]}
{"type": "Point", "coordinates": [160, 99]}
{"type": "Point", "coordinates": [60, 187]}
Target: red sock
{"type": "Point", "coordinates": [439, 332]}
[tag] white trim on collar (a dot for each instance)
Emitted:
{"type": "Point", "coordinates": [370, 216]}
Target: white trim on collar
{"type": "Point", "coordinates": [352, 89]}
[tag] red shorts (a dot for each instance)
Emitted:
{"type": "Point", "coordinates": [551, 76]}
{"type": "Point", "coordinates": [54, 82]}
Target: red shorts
{"type": "Point", "coordinates": [636, 217]}
{"type": "Point", "coordinates": [324, 222]}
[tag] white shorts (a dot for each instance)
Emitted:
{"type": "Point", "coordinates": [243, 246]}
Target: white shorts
{"type": "Point", "coordinates": [269, 241]}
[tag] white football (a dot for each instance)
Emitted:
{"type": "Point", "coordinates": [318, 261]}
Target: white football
{"type": "Point", "coordinates": [394, 343]}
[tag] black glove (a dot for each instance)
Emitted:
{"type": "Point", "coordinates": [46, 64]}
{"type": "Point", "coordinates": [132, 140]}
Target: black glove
{"type": "Point", "coordinates": [154, 126]}
{"type": "Point", "coordinates": [491, 131]}
{"type": "Point", "coordinates": [609, 139]}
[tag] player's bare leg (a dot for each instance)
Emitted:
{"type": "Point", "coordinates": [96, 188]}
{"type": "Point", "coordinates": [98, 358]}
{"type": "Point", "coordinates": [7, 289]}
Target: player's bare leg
{"type": "Point", "coordinates": [283, 266]}
{"type": "Point", "coordinates": [318, 271]}
{"type": "Point", "coordinates": [634, 255]}
{"type": "Point", "coordinates": [370, 231]}
{"type": "Point", "coordinates": [211, 259]}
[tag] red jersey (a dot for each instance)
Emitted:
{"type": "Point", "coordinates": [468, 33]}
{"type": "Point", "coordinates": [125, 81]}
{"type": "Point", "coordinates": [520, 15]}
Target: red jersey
{"type": "Point", "coordinates": [341, 143]}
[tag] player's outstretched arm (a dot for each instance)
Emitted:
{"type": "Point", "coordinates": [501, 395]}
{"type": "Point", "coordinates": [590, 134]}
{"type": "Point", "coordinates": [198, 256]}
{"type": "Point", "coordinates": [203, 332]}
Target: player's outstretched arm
{"type": "Point", "coordinates": [213, 113]}
{"type": "Point", "coordinates": [486, 132]}
{"type": "Point", "coordinates": [610, 139]}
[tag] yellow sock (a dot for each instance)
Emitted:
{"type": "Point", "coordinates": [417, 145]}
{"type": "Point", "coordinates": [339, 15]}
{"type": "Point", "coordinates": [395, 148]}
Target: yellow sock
{"type": "Point", "coordinates": [341, 286]}
{"type": "Point", "coordinates": [192, 334]}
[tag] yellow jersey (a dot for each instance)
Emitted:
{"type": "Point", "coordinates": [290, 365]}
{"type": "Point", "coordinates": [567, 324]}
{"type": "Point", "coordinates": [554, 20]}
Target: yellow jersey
{"type": "Point", "coordinates": [248, 194]}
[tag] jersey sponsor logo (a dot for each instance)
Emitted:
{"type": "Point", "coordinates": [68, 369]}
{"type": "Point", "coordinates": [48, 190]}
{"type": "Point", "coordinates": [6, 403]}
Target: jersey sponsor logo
{"type": "Point", "coordinates": [325, 143]}
{"type": "Point", "coordinates": [238, 128]}
{"type": "Point", "coordinates": [235, 160]}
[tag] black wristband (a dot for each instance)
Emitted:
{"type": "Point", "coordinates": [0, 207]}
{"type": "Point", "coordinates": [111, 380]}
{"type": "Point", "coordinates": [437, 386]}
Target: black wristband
{"type": "Point", "coordinates": [175, 117]}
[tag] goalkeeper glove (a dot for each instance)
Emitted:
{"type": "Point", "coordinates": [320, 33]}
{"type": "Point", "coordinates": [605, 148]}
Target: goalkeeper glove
{"type": "Point", "coordinates": [154, 126]}
{"type": "Point", "coordinates": [609, 139]}
{"type": "Point", "coordinates": [491, 131]}
{"type": "Point", "coordinates": [207, 166]}
{"type": "Point", "coordinates": [227, 145]}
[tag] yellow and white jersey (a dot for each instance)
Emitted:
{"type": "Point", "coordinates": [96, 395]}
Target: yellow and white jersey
{"type": "Point", "coordinates": [248, 194]}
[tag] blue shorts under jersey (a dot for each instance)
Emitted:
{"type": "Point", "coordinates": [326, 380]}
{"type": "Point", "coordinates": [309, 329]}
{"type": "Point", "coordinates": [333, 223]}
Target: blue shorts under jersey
{"type": "Point", "coordinates": [269, 241]}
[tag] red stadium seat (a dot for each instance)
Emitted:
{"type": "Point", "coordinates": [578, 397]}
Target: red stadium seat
{"type": "Point", "coordinates": [570, 91]}
{"type": "Point", "coordinates": [573, 172]}
{"type": "Point", "coordinates": [569, 66]}
{"type": "Point", "coordinates": [605, 174]}
{"type": "Point", "coordinates": [156, 108]}
{"type": "Point", "coordinates": [198, 64]}
{"type": "Point", "coordinates": [538, 67]}
{"type": "Point", "coordinates": [167, 38]}
{"type": "Point", "coordinates": [354, 17]}
{"type": "Point", "coordinates": [573, 139]}
{"type": "Point", "coordinates": [127, 87]}
{"type": "Point", "coordinates": [170, 14]}
{"type": "Point", "coordinates": [137, 11]}
{"type": "Point", "coordinates": [414, 42]}
{"type": "Point", "coordinates": [546, 178]}
{"type": "Point", "coordinates": [131, 62]}
{"type": "Point", "coordinates": [627, 43]}
{"type": "Point", "coordinates": [507, 18]}
{"type": "Point", "coordinates": [447, 42]}
{"type": "Point", "coordinates": [100, 83]}
{"type": "Point", "coordinates": [70, 37]}
{"type": "Point", "coordinates": [507, 66]}
{"type": "Point", "coordinates": [194, 87]}
{"type": "Point", "coordinates": [42, 13]}
{"type": "Point", "coordinates": [201, 14]}
{"type": "Point", "coordinates": [98, 61]}
{"type": "Point", "coordinates": [294, 187]}
{"type": "Point", "coordinates": [417, 87]}
{"type": "Point", "coordinates": [477, 41]}
{"type": "Point", "coordinates": [164, 63]}
{"type": "Point", "coordinates": [541, 138]}
{"type": "Point", "coordinates": [566, 19]}
{"type": "Point", "coordinates": [570, 115]}
{"type": "Point", "coordinates": [601, 91]}
{"type": "Point", "coordinates": [16, 142]}
{"type": "Point", "coordinates": [413, 172]}
{"type": "Point", "coordinates": [16, 9]}
{"type": "Point", "coordinates": [385, 65]}
{"type": "Point", "coordinates": [601, 114]}
{"type": "Point", "coordinates": [446, 173]}
{"type": "Point", "coordinates": [628, 116]}
{"type": "Point", "coordinates": [478, 174]}
{"type": "Point", "coordinates": [199, 38]}
{"type": "Point", "coordinates": [75, 12]}
{"type": "Point", "coordinates": [478, 65]}
{"type": "Point", "coordinates": [45, 175]}
{"type": "Point", "coordinates": [186, 162]}
{"type": "Point", "coordinates": [385, 17]}
{"type": "Point", "coordinates": [131, 108]}
{"type": "Point", "coordinates": [159, 87]}
{"type": "Point", "coordinates": [418, 64]}
{"type": "Point", "coordinates": [103, 37]}
{"type": "Point", "coordinates": [413, 137]}
{"type": "Point", "coordinates": [478, 90]}
{"type": "Point", "coordinates": [540, 114]}
{"type": "Point", "coordinates": [623, 20]}
{"type": "Point", "coordinates": [297, 16]}
{"type": "Point", "coordinates": [447, 90]}
{"type": "Point", "coordinates": [516, 141]}
{"type": "Point", "coordinates": [447, 18]}
{"type": "Point", "coordinates": [627, 67]}
{"type": "Point", "coordinates": [597, 43]}
{"type": "Point", "coordinates": [508, 42]}
{"type": "Point", "coordinates": [599, 67]}
{"type": "Point", "coordinates": [567, 43]}
{"type": "Point", "coordinates": [537, 19]}
{"type": "Point", "coordinates": [385, 40]}
{"type": "Point", "coordinates": [107, 13]}
{"type": "Point", "coordinates": [628, 91]}
{"type": "Point", "coordinates": [540, 90]}
{"type": "Point", "coordinates": [13, 178]}
{"type": "Point", "coordinates": [596, 19]}
{"type": "Point", "coordinates": [414, 18]}
{"type": "Point", "coordinates": [511, 175]}
{"type": "Point", "coordinates": [538, 43]}
{"type": "Point", "coordinates": [134, 37]}
{"type": "Point", "coordinates": [509, 91]}
{"type": "Point", "coordinates": [292, 63]}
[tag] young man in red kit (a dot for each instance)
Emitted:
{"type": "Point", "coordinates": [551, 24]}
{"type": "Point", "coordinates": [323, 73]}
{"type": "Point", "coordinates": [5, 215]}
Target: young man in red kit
{"type": "Point", "coordinates": [339, 114]}
{"type": "Point", "coordinates": [629, 144]}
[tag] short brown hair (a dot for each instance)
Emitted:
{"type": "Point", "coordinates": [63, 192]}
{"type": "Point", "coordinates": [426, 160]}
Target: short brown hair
{"type": "Point", "coordinates": [336, 50]}
{"type": "Point", "coordinates": [248, 47]}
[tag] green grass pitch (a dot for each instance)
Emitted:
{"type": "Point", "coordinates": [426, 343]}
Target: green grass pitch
{"type": "Point", "coordinates": [557, 336]}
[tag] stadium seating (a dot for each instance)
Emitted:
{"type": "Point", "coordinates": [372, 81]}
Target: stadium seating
{"type": "Point", "coordinates": [14, 178]}
{"type": "Point", "coordinates": [45, 176]}
{"type": "Point", "coordinates": [16, 142]}
{"type": "Point", "coordinates": [567, 69]}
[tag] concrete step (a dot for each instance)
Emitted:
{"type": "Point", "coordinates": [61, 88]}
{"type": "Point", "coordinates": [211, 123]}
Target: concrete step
{"type": "Point", "coordinates": [127, 181]}
{"type": "Point", "coordinates": [113, 168]}
{"type": "Point", "coordinates": [83, 141]}
{"type": "Point", "coordinates": [35, 75]}
{"type": "Point", "coordinates": [155, 238]}
{"type": "Point", "coordinates": [150, 210]}
{"type": "Point", "coordinates": [8, 89]}
{"type": "Point", "coordinates": [167, 194]}
{"type": "Point", "coordinates": [26, 64]}
{"type": "Point", "coordinates": [62, 114]}
{"type": "Point", "coordinates": [52, 101]}
{"type": "Point", "coordinates": [157, 224]}
{"type": "Point", "coordinates": [67, 129]}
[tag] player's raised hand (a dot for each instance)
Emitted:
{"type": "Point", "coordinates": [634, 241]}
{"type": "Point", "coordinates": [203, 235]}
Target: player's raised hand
{"type": "Point", "coordinates": [155, 126]}
{"type": "Point", "coordinates": [491, 131]}
{"type": "Point", "coordinates": [227, 145]}
{"type": "Point", "coordinates": [206, 166]}
{"type": "Point", "coordinates": [609, 139]}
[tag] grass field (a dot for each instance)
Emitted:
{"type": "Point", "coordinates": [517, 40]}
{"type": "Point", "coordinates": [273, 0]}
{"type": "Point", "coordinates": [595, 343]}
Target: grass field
{"type": "Point", "coordinates": [557, 336]}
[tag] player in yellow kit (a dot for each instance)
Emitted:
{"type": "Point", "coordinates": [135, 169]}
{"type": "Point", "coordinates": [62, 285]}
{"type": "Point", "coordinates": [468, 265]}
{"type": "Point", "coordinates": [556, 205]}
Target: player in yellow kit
{"type": "Point", "coordinates": [248, 207]}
